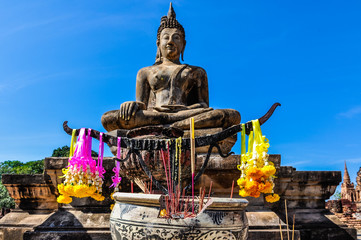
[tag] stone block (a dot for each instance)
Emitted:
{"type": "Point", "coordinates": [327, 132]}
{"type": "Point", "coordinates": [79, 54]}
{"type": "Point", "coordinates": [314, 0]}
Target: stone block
{"type": "Point", "coordinates": [31, 192]}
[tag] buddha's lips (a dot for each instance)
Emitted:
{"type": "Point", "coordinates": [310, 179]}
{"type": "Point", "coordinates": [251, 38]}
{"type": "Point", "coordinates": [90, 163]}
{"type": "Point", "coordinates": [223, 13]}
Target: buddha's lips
{"type": "Point", "coordinates": [172, 48]}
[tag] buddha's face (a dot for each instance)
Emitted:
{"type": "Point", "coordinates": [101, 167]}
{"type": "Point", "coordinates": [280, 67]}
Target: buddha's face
{"type": "Point", "coordinates": [171, 43]}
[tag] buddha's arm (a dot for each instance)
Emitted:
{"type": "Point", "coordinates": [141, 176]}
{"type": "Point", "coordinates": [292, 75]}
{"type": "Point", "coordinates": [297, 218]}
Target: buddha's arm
{"type": "Point", "coordinates": [142, 88]}
{"type": "Point", "coordinates": [201, 79]}
{"type": "Point", "coordinates": [128, 109]}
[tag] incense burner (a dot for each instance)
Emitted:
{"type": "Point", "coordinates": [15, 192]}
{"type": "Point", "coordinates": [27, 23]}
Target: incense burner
{"type": "Point", "coordinates": [136, 216]}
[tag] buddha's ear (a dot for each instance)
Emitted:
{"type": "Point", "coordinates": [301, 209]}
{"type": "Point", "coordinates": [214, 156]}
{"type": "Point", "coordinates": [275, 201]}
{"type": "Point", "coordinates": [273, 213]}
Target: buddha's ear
{"type": "Point", "coordinates": [158, 57]}
{"type": "Point", "coordinates": [182, 53]}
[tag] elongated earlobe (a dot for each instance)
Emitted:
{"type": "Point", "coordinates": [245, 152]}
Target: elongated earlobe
{"type": "Point", "coordinates": [182, 53]}
{"type": "Point", "coordinates": [158, 57]}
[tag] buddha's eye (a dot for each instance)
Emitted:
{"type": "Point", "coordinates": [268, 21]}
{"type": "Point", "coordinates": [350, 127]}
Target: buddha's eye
{"type": "Point", "coordinates": [166, 37]}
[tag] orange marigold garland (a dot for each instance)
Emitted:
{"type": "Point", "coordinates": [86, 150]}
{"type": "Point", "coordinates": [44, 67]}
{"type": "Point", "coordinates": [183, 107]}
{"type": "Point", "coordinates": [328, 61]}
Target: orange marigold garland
{"type": "Point", "coordinates": [257, 173]}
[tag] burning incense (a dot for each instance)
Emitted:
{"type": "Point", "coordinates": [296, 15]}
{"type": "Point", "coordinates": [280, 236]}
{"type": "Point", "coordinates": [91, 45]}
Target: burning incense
{"type": "Point", "coordinates": [192, 158]}
{"type": "Point", "coordinates": [131, 186]}
{"type": "Point", "coordinates": [232, 189]}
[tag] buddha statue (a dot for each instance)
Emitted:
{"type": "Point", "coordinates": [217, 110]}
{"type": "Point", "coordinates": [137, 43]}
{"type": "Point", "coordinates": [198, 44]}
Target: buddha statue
{"type": "Point", "coordinates": [169, 93]}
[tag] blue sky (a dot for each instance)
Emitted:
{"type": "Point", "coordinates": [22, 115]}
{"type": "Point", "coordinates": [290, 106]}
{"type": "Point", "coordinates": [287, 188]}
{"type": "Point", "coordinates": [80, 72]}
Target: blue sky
{"type": "Point", "coordinates": [75, 60]}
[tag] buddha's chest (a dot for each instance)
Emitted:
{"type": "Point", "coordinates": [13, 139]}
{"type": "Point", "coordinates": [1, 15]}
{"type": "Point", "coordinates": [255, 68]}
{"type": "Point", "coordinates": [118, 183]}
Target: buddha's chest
{"type": "Point", "coordinates": [167, 78]}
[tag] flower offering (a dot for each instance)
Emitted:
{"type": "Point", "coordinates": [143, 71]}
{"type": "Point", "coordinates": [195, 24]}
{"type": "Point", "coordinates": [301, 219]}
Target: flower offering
{"type": "Point", "coordinates": [83, 176]}
{"type": "Point", "coordinates": [257, 173]}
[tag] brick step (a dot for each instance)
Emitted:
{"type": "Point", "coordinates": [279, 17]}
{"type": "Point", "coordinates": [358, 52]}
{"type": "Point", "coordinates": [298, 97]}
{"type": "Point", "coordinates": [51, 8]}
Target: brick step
{"type": "Point", "coordinates": [349, 221]}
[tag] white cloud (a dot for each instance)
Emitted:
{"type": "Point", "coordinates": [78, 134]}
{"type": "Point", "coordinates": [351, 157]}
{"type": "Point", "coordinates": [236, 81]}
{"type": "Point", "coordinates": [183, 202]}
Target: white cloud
{"type": "Point", "coordinates": [31, 25]}
{"type": "Point", "coordinates": [300, 163]}
{"type": "Point", "coordinates": [351, 160]}
{"type": "Point", "coordinates": [351, 112]}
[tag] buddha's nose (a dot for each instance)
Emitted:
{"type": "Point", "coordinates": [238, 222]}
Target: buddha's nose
{"type": "Point", "coordinates": [170, 41]}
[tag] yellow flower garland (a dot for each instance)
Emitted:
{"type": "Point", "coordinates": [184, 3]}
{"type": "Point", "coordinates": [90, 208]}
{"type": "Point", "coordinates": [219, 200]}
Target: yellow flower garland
{"type": "Point", "coordinates": [257, 173]}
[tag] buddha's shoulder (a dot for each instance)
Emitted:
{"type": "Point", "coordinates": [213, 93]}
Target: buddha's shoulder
{"type": "Point", "coordinates": [194, 68]}
{"type": "Point", "coordinates": [189, 69]}
{"type": "Point", "coordinates": [145, 71]}
{"type": "Point", "coordinates": [199, 71]}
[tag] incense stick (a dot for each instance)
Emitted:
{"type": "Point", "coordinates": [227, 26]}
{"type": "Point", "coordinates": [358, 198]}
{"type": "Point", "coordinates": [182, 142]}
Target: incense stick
{"type": "Point", "coordinates": [178, 151]}
{"type": "Point", "coordinates": [288, 234]}
{"type": "Point", "coordinates": [279, 222]}
{"type": "Point", "coordinates": [140, 184]}
{"type": "Point", "coordinates": [210, 188]}
{"type": "Point", "coordinates": [170, 176]}
{"type": "Point", "coordinates": [167, 204]}
{"type": "Point", "coordinates": [165, 170]}
{"type": "Point", "coordinates": [293, 228]}
{"type": "Point", "coordinates": [192, 158]}
{"type": "Point", "coordinates": [232, 189]}
{"type": "Point", "coordinates": [151, 185]}
{"type": "Point", "coordinates": [183, 199]}
{"type": "Point", "coordinates": [131, 186]}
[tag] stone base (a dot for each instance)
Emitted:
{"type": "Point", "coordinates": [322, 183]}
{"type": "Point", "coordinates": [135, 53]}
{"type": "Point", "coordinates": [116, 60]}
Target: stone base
{"type": "Point", "coordinates": [72, 224]}
{"type": "Point", "coordinates": [60, 235]}
{"type": "Point", "coordinates": [305, 192]}
{"type": "Point", "coordinates": [14, 224]}
{"type": "Point", "coordinates": [265, 224]}
{"type": "Point", "coordinates": [272, 234]}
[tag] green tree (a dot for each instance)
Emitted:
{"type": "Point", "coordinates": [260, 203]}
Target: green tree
{"type": "Point", "coordinates": [64, 152]}
{"type": "Point", "coordinates": [9, 166]}
{"type": "Point", "coordinates": [17, 167]}
{"type": "Point", "coordinates": [31, 167]}
{"type": "Point", "coordinates": [5, 200]}
{"type": "Point", "coordinates": [336, 195]}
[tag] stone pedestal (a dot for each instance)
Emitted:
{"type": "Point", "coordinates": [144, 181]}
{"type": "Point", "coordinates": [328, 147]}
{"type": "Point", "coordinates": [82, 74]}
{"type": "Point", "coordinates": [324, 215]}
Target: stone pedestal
{"type": "Point", "coordinates": [38, 214]}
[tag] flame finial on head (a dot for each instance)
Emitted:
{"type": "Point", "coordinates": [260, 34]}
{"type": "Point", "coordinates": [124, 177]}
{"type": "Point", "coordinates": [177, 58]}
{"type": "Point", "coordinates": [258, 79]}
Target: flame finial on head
{"type": "Point", "coordinates": [170, 21]}
{"type": "Point", "coordinates": [171, 13]}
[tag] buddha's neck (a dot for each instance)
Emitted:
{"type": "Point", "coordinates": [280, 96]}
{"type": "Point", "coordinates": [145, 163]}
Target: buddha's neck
{"type": "Point", "coordinates": [167, 61]}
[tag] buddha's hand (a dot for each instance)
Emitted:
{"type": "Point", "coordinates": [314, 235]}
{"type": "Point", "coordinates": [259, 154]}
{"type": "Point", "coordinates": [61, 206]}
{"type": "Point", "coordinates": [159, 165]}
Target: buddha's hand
{"type": "Point", "coordinates": [128, 109]}
{"type": "Point", "coordinates": [198, 105]}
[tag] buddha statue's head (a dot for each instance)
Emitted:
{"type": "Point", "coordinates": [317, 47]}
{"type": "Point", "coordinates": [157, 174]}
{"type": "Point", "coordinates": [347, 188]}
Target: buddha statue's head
{"type": "Point", "coordinates": [170, 38]}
